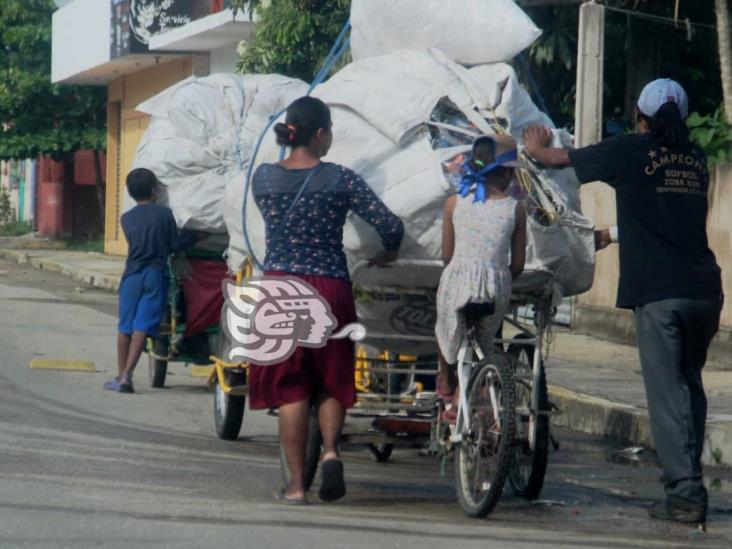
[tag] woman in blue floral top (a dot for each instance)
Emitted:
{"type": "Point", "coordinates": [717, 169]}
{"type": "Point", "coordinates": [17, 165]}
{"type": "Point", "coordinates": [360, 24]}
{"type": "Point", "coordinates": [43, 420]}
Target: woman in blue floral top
{"type": "Point", "coordinates": [306, 240]}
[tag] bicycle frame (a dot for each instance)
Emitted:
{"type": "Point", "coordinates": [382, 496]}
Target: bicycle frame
{"type": "Point", "coordinates": [465, 366]}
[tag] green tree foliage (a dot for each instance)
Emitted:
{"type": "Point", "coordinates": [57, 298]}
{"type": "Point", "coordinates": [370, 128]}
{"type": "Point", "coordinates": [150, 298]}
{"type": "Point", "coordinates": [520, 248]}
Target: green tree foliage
{"type": "Point", "coordinates": [293, 36]}
{"type": "Point", "coordinates": [687, 54]}
{"type": "Point", "coordinates": [7, 212]}
{"type": "Point", "coordinates": [713, 134]}
{"type": "Point", "coordinates": [553, 60]}
{"type": "Point", "coordinates": [37, 117]}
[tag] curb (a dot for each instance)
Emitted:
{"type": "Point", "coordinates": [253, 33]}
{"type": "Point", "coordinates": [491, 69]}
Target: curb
{"type": "Point", "coordinates": [92, 278]}
{"type": "Point", "coordinates": [630, 425]}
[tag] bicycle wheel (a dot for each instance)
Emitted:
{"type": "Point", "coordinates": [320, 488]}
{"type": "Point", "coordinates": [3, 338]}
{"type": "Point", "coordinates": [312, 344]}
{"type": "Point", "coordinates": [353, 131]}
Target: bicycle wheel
{"type": "Point", "coordinates": [531, 451]}
{"type": "Point", "coordinates": [312, 454]}
{"type": "Point", "coordinates": [484, 455]}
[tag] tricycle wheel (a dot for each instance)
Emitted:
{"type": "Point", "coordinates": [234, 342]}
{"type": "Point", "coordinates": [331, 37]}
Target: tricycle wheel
{"type": "Point", "coordinates": [158, 369]}
{"type": "Point", "coordinates": [380, 452]}
{"type": "Point", "coordinates": [228, 410]}
{"type": "Point", "coordinates": [312, 453]}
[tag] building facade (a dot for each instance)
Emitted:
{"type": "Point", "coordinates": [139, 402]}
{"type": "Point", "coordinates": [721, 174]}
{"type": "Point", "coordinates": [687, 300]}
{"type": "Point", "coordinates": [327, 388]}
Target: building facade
{"type": "Point", "coordinates": [136, 49]}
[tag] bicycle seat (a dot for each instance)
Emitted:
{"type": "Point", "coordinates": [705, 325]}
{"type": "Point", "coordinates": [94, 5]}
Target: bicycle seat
{"type": "Point", "coordinates": [474, 312]}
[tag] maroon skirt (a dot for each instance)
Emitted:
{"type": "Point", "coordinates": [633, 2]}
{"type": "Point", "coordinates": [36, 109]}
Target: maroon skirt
{"type": "Point", "coordinates": [310, 372]}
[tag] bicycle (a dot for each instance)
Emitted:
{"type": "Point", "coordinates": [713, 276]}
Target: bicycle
{"type": "Point", "coordinates": [483, 435]}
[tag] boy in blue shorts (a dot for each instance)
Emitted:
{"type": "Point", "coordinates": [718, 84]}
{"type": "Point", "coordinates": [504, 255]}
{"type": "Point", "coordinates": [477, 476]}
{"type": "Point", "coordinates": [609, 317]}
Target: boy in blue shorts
{"type": "Point", "coordinates": [152, 235]}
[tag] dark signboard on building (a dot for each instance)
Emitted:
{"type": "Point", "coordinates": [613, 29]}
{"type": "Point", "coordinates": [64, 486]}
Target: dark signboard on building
{"type": "Point", "coordinates": [134, 22]}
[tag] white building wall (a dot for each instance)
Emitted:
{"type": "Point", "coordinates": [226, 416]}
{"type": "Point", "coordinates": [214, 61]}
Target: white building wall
{"type": "Point", "coordinates": [17, 178]}
{"type": "Point", "coordinates": [30, 189]}
{"type": "Point", "coordinates": [81, 37]}
{"type": "Point", "coordinates": [224, 59]}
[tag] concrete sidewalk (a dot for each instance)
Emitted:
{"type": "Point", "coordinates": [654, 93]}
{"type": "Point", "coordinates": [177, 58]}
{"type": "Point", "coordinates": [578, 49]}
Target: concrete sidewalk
{"type": "Point", "coordinates": [598, 388]}
{"type": "Point", "coordinates": [596, 385]}
{"type": "Point", "coordinates": [94, 269]}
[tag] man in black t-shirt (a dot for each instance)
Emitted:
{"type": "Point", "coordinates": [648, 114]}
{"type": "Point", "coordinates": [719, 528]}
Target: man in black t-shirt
{"type": "Point", "coordinates": [668, 275]}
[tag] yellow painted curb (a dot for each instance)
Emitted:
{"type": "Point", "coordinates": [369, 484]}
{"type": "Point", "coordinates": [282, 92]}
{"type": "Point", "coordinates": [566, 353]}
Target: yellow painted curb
{"type": "Point", "coordinates": [201, 371]}
{"type": "Point", "coordinates": [68, 365]}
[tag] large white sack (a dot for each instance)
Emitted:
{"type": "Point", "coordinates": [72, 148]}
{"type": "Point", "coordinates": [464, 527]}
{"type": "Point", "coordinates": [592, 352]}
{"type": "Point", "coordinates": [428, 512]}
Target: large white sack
{"type": "Point", "coordinates": [471, 32]}
{"type": "Point", "coordinates": [381, 108]}
{"type": "Point", "coordinates": [200, 135]}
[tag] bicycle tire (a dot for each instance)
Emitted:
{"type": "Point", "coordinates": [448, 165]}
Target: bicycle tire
{"type": "Point", "coordinates": [528, 469]}
{"type": "Point", "coordinates": [312, 454]}
{"type": "Point", "coordinates": [484, 502]}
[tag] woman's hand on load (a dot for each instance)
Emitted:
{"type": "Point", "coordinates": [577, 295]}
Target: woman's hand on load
{"type": "Point", "coordinates": [537, 138]}
{"type": "Point", "coordinates": [602, 239]}
{"type": "Point", "coordinates": [383, 259]}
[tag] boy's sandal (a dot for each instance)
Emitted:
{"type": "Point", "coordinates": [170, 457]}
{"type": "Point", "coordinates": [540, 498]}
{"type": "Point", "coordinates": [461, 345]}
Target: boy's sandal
{"type": "Point", "coordinates": [125, 386]}
{"type": "Point", "coordinates": [119, 385]}
{"type": "Point", "coordinates": [333, 485]}
{"type": "Point", "coordinates": [280, 497]}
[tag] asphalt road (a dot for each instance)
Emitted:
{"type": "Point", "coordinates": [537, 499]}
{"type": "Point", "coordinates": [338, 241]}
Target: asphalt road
{"type": "Point", "coordinates": [80, 467]}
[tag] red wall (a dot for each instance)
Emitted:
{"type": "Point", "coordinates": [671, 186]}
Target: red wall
{"type": "Point", "coordinates": [50, 215]}
{"type": "Point", "coordinates": [68, 206]}
{"type": "Point", "coordinates": [84, 168]}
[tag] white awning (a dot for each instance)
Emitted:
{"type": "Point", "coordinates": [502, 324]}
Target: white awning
{"type": "Point", "coordinates": [212, 32]}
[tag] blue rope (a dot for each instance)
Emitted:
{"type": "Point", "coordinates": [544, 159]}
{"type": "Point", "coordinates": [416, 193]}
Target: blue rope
{"type": "Point", "coordinates": [336, 52]}
{"type": "Point", "coordinates": [340, 47]}
{"type": "Point", "coordinates": [250, 171]}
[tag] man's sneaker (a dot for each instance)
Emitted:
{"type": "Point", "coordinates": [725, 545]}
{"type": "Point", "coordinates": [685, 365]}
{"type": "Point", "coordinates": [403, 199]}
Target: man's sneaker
{"type": "Point", "coordinates": [119, 386]}
{"type": "Point", "coordinates": [687, 513]}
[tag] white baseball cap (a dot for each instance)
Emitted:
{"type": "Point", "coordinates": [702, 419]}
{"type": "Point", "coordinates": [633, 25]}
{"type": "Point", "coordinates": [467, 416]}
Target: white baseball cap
{"type": "Point", "coordinates": [662, 91]}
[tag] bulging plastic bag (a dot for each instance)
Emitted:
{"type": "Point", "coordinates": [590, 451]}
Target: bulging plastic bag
{"type": "Point", "coordinates": [200, 136]}
{"type": "Point", "coordinates": [470, 32]}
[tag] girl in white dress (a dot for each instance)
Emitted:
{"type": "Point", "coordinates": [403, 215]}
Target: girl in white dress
{"type": "Point", "coordinates": [483, 248]}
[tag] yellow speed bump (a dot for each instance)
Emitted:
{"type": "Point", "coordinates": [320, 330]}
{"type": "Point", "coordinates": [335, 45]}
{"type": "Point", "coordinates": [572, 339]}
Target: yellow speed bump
{"type": "Point", "coordinates": [66, 365]}
{"type": "Point", "coordinates": [201, 371]}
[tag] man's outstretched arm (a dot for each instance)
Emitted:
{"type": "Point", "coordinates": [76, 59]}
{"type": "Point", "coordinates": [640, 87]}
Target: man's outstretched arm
{"type": "Point", "coordinates": [538, 141]}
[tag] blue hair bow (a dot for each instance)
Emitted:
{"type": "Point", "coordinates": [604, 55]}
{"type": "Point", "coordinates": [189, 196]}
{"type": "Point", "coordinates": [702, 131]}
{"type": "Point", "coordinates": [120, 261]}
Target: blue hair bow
{"type": "Point", "coordinates": [476, 178]}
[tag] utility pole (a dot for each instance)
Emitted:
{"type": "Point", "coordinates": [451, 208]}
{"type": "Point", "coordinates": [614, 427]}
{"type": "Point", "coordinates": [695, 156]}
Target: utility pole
{"type": "Point", "coordinates": [590, 64]}
{"type": "Point", "coordinates": [725, 55]}
{"type": "Point", "coordinates": [598, 201]}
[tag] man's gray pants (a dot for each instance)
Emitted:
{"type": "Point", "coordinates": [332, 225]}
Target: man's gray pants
{"type": "Point", "coordinates": [673, 338]}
